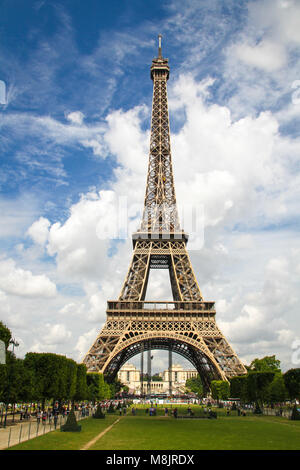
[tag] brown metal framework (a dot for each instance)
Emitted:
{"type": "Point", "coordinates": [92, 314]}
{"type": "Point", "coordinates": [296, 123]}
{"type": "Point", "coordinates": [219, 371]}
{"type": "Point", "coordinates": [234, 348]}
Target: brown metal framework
{"type": "Point", "coordinates": [187, 325]}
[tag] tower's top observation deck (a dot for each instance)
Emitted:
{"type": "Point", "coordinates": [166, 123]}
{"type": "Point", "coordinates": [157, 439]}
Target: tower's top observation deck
{"type": "Point", "coordinates": [160, 67]}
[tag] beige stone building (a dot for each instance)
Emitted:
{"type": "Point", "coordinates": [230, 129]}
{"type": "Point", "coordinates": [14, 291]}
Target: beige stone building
{"type": "Point", "coordinates": [129, 375]}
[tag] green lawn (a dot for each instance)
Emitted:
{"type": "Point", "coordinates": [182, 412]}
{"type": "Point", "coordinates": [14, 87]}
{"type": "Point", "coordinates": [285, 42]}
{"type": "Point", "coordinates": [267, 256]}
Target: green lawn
{"type": "Point", "coordinates": [144, 432]}
{"type": "Point", "coordinates": [58, 440]}
{"type": "Point", "coordinates": [227, 433]}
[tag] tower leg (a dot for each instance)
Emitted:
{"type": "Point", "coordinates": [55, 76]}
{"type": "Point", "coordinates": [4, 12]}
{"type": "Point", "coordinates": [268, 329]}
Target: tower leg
{"type": "Point", "coordinates": [170, 372]}
{"type": "Point", "coordinates": [142, 371]}
{"type": "Point", "coordinates": [149, 370]}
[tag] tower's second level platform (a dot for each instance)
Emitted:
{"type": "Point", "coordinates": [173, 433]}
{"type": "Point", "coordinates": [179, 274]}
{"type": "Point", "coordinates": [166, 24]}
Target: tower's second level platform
{"type": "Point", "coordinates": [163, 235]}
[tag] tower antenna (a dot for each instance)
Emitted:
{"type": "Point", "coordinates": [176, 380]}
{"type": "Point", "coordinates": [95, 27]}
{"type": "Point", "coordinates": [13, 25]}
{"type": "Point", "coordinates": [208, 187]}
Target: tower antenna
{"type": "Point", "coordinates": [159, 46]}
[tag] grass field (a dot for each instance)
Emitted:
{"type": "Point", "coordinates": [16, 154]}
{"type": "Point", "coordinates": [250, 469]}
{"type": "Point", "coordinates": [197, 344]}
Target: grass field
{"type": "Point", "coordinates": [144, 432]}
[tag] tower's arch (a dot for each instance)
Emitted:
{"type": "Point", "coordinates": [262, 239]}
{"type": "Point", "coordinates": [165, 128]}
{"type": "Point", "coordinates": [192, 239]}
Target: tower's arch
{"type": "Point", "coordinates": [184, 345]}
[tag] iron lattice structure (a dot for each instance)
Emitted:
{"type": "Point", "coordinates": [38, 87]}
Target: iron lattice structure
{"type": "Point", "coordinates": [187, 325]}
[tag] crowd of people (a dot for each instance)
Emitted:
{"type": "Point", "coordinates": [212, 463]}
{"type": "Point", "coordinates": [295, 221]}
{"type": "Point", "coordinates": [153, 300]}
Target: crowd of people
{"type": "Point", "coordinates": [51, 414]}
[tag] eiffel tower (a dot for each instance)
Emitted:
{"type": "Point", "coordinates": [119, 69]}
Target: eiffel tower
{"type": "Point", "coordinates": [186, 325]}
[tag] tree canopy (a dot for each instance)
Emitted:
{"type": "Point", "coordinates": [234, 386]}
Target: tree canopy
{"type": "Point", "coordinates": [220, 389]}
{"type": "Point", "coordinates": [5, 334]}
{"type": "Point", "coordinates": [266, 364]}
{"type": "Point", "coordinates": [292, 383]}
{"type": "Point", "coordinates": [194, 385]}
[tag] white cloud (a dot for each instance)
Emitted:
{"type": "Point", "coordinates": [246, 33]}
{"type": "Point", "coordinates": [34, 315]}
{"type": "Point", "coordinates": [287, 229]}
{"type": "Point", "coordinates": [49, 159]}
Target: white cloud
{"type": "Point", "coordinates": [266, 55]}
{"type": "Point", "coordinates": [4, 304]}
{"type": "Point", "coordinates": [125, 139]}
{"type": "Point", "coordinates": [73, 309]}
{"type": "Point", "coordinates": [79, 252]}
{"type": "Point", "coordinates": [234, 168]}
{"type": "Point", "coordinates": [17, 281]}
{"type": "Point", "coordinates": [96, 145]}
{"type": "Point", "coordinates": [85, 341]}
{"type": "Point", "coordinates": [76, 117]}
{"type": "Point", "coordinates": [39, 231]}
{"type": "Point", "coordinates": [262, 61]}
{"type": "Point", "coordinates": [55, 334]}
{"type": "Point", "coordinates": [277, 19]}
{"type": "Point", "coordinates": [51, 131]}
{"type": "Point", "coordinates": [51, 338]}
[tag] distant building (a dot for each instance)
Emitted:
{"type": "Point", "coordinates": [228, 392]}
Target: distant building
{"type": "Point", "coordinates": [129, 375]}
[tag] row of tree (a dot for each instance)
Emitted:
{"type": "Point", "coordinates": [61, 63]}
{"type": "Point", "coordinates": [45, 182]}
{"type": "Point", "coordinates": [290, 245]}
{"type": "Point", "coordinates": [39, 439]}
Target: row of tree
{"type": "Point", "coordinates": [266, 386]}
{"type": "Point", "coordinates": [263, 383]}
{"type": "Point", "coordinates": [40, 377]}
{"type": "Point", "coordinates": [46, 376]}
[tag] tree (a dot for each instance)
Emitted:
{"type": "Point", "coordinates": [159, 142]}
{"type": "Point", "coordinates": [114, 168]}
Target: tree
{"type": "Point", "coordinates": [194, 385]}
{"type": "Point", "coordinates": [102, 388]}
{"type": "Point", "coordinates": [107, 391]}
{"type": "Point", "coordinates": [10, 384]}
{"type": "Point", "coordinates": [238, 387]}
{"type": "Point", "coordinates": [220, 389]}
{"type": "Point", "coordinates": [98, 389]}
{"type": "Point", "coordinates": [3, 381]}
{"type": "Point", "coordinates": [156, 378]}
{"type": "Point", "coordinates": [50, 376]}
{"type": "Point", "coordinates": [93, 379]}
{"type": "Point", "coordinates": [71, 379]}
{"type": "Point", "coordinates": [20, 381]}
{"type": "Point", "coordinates": [292, 383]}
{"type": "Point", "coordinates": [125, 389]}
{"type": "Point", "coordinates": [266, 364]}
{"type": "Point", "coordinates": [115, 387]}
{"type": "Point", "coordinates": [81, 392]}
{"type": "Point", "coordinates": [277, 391]}
{"type": "Point", "coordinates": [258, 386]}
{"type": "Point", "coordinates": [5, 334]}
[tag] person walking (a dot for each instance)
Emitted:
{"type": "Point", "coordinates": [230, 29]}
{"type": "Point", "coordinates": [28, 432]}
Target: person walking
{"type": "Point", "coordinates": [44, 417]}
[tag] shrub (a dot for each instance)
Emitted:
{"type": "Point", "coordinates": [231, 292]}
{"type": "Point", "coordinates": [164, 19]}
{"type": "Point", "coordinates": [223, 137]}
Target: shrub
{"type": "Point", "coordinates": [99, 413]}
{"type": "Point", "coordinates": [71, 424]}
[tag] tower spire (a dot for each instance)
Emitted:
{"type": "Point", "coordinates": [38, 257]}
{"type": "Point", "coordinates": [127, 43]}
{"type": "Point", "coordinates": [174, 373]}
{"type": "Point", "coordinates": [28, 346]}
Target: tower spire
{"type": "Point", "coordinates": [159, 46]}
{"type": "Point", "coordinates": [160, 209]}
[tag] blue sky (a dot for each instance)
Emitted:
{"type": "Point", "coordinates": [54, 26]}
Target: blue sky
{"type": "Point", "coordinates": [74, 141]}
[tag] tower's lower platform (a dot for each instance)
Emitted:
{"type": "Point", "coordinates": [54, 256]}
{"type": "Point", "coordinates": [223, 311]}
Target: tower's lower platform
{"type": "Point", "coordinates": [186, 328]}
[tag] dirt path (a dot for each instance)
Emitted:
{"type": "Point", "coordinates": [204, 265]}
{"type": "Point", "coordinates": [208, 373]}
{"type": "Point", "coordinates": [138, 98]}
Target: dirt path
{"type": "Point", "coordinates": [89, 444]}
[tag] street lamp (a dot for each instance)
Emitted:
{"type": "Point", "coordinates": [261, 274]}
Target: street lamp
{"type": "Point", "coordinates": [14, 343]}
